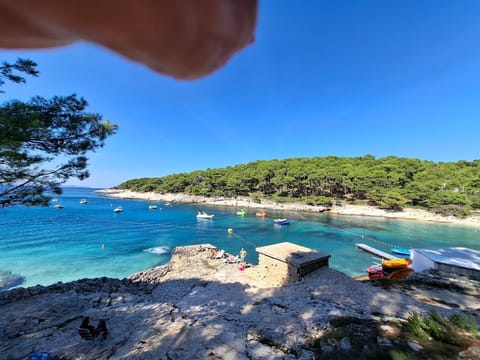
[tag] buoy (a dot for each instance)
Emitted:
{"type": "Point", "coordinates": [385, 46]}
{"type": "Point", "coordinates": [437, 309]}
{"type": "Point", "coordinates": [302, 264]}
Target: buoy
{"type": "Point", "coordinates": [230, 230]}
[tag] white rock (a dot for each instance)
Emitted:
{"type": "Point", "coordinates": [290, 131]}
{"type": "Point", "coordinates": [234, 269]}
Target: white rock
{"type": "Point", "coordinates": [414, 346]}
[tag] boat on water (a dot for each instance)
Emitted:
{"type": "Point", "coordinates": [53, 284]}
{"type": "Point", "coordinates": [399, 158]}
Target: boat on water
{"type": "Point", "coordinates": [261, 214]}
{"type": "Point", "coordinates": [83, 201]}
{"type": "Point", "coordinates": [281, 221]}
{"type": "Point", "coordinates": [204, 215]}
{"type": "Point", "coordinates": [400, 251]}
{"type": "Point", "coordinates": [118, 209]}
{"type": "Point", "coordinates": [58, 206]}
{"type": "Point", "coordinates": [396, 269]}
{"type": "Point", "coordinates": [152, 207]}
{"type": "Point", "coordinates": [54, 199]}
{"type": "Point", "coordinates": [376, 272]}
{"type": "Point", "coordinates": [241, 212]}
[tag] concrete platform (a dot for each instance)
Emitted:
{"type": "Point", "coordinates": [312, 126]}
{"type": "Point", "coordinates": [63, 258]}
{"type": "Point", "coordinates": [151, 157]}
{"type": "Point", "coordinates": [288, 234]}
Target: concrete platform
{"type": "Point", "coordinates": [284, 263]}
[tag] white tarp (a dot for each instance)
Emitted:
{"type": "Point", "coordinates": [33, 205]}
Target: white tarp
{"type": "Point", "coordinates": [420, 262]}
{"type": "Point", "coordinates": [456, 256]}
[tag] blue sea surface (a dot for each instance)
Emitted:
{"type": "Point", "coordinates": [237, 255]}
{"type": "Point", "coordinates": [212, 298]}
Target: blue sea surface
{"type": "Point", "coordinates": [45, 245]}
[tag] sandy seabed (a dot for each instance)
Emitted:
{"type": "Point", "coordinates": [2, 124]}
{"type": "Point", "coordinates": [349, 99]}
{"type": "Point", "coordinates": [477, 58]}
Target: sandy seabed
{"type": "Point", "coordinates": [244, 202]}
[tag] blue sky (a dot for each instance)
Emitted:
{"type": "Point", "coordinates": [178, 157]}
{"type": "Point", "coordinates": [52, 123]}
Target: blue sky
{"type": "Point", "coordinates": [344, 78]}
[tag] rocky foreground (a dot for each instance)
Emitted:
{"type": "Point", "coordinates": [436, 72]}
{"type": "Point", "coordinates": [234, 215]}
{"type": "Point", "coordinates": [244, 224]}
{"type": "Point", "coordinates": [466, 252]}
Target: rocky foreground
{"type": "Point", "coordinates": [201, 308]}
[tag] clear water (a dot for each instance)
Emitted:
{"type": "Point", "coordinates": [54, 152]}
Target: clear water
{"type": "Point", "coordinates": [47, 245]}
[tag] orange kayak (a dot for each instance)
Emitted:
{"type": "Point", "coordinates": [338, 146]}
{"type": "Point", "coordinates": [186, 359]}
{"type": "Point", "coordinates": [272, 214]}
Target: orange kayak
{"type": "Point", "coordinates": [400, 274]}
{"type": "Point", "coordinates": [396, 263]}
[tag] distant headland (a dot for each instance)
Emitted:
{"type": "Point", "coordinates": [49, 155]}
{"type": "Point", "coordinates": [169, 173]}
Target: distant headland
{"type": "Point", "coordinates": [393, 185]}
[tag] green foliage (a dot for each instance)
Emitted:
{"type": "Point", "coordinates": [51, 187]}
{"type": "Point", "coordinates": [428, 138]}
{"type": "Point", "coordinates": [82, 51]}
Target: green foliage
{"type": "Point", "coordinates": [319, 201]}
{"type": "Point", "coordinates": [390, 183]}
{"type": "Point", "coordinates": [437, 318]}
{"type": "Point", "coordinates": [43, 142]}
{"type": "Point", "coordinates": [256, 197]}
{"type": "Point", "coordinates": [416, 326]}
{"type": "Point", "coordinates": [12, 72]}
{"type": "Point", "coordinates": [474, 201]}
{"type": "Point", "coordinates": [465, 322]}
{"type": "Point", "coordinates": [439, 337]}
{"type": "Point", "coordinates": [449, 203]}
{"type": "Point", "coordinates": [433, 326]}
{"type": "Point", "coordinates": [387, 199]}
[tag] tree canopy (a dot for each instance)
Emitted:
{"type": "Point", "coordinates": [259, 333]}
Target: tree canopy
{"type": "Point", "coordinates": [43, 142]}
{"type": "Point", "coordinates": [448, 188]}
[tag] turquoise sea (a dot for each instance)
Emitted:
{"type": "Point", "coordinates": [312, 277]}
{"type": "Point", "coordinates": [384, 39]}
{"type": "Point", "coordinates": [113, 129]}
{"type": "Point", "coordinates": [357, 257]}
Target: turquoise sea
{"type": "Point", "coordinates": [47, 245]}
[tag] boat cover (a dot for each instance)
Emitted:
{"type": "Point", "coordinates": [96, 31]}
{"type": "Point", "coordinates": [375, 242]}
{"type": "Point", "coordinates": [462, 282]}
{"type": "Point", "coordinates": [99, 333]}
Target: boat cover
{"type": "Point", "coordinates": [455, 256]}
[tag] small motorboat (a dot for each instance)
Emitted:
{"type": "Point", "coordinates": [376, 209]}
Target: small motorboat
{"type": "Point", "coordinates": [376, 272]}
{"type": "Point", "coordinates": [261, 214]}
{"type": "Point", "coordinates": [118, 209]}
{"type": "Point", "coordinates": [241, 212]}
{"type": "Point", "coordinates": [281, 221]}
{"type": "Point", "coordinates": [400, 251]}
{"type": "Point", "coordinates": [377, 275]}
{"type": "Point", "coordinates": [58, 206]}
{"type": "Point", "coordinates": [83, 201]}
{"type": "Point", "coordinates": [152, 207]}
{"type": "Point", "coordinates": [204, 215]}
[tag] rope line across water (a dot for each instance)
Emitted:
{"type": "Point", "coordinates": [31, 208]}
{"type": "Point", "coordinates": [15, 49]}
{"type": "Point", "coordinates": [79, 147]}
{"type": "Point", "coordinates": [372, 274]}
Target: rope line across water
{"type": "Point", "coordinates": [221, 229]}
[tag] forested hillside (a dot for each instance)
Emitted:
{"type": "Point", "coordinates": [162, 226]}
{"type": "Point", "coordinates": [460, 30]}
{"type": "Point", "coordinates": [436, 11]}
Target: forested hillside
{"type": "Point", "coordinates": [448, 188]}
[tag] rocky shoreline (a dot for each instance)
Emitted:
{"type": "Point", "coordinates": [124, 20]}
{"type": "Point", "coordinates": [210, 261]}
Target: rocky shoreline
{"type": "Point", "coordinates": [345, 209]}
{"type": "Point", "coordinates": [200, 308]}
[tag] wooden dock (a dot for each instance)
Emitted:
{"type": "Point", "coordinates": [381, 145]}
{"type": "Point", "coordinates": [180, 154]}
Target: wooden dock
{"type": "Point", "coordinates": [376, 252]}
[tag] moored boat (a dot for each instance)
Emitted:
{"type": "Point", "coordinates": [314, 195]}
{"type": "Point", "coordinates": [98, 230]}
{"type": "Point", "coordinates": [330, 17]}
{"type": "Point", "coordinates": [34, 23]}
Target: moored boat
{"type": "Point", "coordinates": [400, 251]}
{"type": "Point", "coordinates": [241, 212]}
{"type": "Point", "coordinates": [395, 269]}
{"type": "Point", "coordinates": [376, 272]}
{"type": "Point", "coordinates": [152, 207]}
{"type": "Point", "coordinates": [204, 215]}
{"type": "Point", "coordinates": [281, 221]}
{"type": "Point", "coordinates": [118, 209]}
{"type": "Point", "coordinates": [83, 201]}
{"type": "Point", "coordinates": [58, 206]}
{"type": "Point", "coordinates": [261, 213]}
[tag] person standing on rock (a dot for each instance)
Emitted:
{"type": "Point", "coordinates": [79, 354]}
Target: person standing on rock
{"type": "Point", "coordinates": [243, 254]}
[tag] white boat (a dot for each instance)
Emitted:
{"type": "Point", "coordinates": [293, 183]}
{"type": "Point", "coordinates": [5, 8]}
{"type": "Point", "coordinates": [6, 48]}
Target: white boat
{"type": "Point", "coordinates": [118, 209]}
{"type": "Point", "coordinates": [83, 201]}
{"type": "Point", "coordinates": [204, 215]}
{"type": "Point", "coordinates": [58, 206]}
